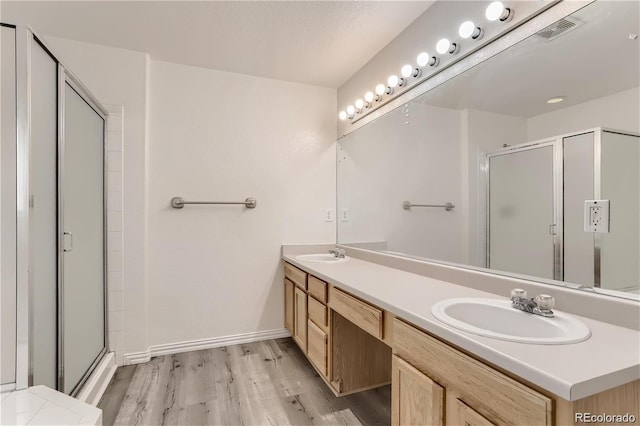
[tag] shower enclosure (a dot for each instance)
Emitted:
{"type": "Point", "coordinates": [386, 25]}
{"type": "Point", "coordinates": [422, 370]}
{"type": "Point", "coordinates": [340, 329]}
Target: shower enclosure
{"type": "Point", "coordinates": [52, 219]}
{"type": "Point", "coordinates": [535, 209]}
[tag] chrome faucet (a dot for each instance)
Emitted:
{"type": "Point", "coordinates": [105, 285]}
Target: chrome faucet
{"type": "Point", "coordinates": [337, 252]}
{"type": "Point", "coordinates": [540, 305]}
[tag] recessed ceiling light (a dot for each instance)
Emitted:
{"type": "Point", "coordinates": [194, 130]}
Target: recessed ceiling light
{"type": "Point", "coordinates": [555, 100]}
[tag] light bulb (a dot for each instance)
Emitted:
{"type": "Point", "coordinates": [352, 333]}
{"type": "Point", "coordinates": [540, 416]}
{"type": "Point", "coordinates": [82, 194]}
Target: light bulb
{"type": "Point", "coordinates": [342, 115]}
{"type": "Point", "coordinates": [407, 71]}
{"type": "Point", "coordinates": [495, 11]}
{"type": "Point", "coordinates": [359, 104]}
{"type": "Point", "coordinates": [368, 96]}
{"type": "Point", "coordinates": [380, 88]}
{"type": "Point", "coordinates": [467, 29]}
{"type": "Point", "coordinates": [556, 100]}
{"type": "Point", "coordinates": [350, 110]}
{"type": "Point", "coordinates": [423, 59]}
{"type": "Point", "coordinates": [392, 81]}
{"type": "Point", "coordinates": [443, 46]}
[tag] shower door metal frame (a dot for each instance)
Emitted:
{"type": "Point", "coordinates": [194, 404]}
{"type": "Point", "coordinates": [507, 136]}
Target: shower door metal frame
{"type": "Point", "coordinates": [24, 369]}
{"type": "Point", "coordinates": [66, 77]}
{"type": "Point", "coordinates": [558, 170]}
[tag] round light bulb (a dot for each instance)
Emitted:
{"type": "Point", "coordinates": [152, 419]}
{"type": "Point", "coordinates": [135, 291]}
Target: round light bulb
{"type": "Point", "coordinates": [342, 115]}
{"type": "Point", "coordinates": [467, 29]}
{"type": "Point", "coordinates": [359, 104]}
{"type": "Point", "coordinates": [380, 88]}
{"type": "Point", "coordinates": [368, 96]}
{"type": "Point", "coordinates": [494, 11]}
{"type": "Point", "coordinates": [423, 59]}
{"type": "Point", "coordinates": [407, 71]}
{"type": "Point", "coordinates": [351, 110]}
{"type": "Point", "coordinates": [443, 46]}
{"type": "Point", "coordinates": [392, 80]}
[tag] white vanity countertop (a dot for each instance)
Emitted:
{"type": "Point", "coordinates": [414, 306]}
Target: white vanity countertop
{"type": "Point", "coordinates": [609, 358]}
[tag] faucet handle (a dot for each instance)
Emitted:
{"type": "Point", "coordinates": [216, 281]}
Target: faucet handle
{"type": "Point", "coordinates": [545, 302]}
{"type": "Point", "coordinates": [518, 293]}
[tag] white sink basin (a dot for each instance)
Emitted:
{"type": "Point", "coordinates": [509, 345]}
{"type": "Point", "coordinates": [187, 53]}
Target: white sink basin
{"type": "Point", "coordinates": [497, 319]}
{"type": "Point", "coordinates": [325, 258]}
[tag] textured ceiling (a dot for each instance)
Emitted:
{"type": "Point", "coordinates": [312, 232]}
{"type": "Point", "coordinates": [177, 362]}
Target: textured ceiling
{"type": "Point", "coordinates": [314, 42]}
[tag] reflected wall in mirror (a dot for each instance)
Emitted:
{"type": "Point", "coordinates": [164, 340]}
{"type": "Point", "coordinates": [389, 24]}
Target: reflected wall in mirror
{"type": "Point", "coordinates": [519, 145]}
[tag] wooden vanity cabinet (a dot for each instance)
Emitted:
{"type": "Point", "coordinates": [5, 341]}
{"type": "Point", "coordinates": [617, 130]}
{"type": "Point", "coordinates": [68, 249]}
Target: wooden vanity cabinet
{"type": "Point", "coordinates": [475, 393]}
{"type": "Point", "coordinates": [295, 304]}
{"type": "Point", "coordinates": [305, 315]}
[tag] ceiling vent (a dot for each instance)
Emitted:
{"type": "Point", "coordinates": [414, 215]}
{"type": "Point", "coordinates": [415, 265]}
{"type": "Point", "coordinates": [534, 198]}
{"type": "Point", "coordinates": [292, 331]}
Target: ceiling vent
{"type": "Point", "coordinates": [558, 28]}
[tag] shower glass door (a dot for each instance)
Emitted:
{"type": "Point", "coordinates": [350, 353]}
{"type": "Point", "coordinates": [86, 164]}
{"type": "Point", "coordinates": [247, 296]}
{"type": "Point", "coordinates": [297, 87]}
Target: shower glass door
{"type": "Point", "coordinates": [522, 225]}
{"type": "Point", "coordinates": [83, 298]}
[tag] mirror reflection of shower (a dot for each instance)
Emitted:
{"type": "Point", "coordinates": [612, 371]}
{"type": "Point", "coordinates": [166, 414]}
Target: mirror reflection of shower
{"type": "Point", "coordinates": [538, 198]}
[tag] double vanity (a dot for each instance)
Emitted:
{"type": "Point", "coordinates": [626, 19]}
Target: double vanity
{"type": "Point", "coordinates": [453, 354]}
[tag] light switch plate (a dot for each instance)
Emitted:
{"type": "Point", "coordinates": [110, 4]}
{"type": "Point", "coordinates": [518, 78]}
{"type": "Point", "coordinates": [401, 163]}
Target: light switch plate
{"type": "Point", "coordinates": [596, 216]}
{"type": "Point", "coordinates": [328, 215]}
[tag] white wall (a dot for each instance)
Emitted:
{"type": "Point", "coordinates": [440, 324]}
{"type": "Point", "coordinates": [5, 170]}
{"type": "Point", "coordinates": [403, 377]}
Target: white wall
{"type": "Point", "coordinates": [412, 153]}
{"type": "Point", "coordinates": [215, 270]}
{"type": "Point", "coordinates": [620, 111]}
{"type": "Point", "coordinates": [119, 77]}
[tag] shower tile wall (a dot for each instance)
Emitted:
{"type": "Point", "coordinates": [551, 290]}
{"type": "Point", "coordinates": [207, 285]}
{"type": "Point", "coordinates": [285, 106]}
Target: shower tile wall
{"type": "Point", "coordinates": [115, 320]}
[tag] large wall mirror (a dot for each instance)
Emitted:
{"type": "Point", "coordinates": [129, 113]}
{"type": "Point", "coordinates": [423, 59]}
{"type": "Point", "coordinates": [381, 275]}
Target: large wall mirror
{"type": "Point", "coordinates": [527, 164]}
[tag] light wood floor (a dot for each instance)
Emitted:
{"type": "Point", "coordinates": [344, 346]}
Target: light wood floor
{"type": "Point", "coordinates": [263, 383]}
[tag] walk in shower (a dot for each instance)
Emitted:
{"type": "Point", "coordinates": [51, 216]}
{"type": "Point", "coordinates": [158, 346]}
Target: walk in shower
{"type": "Point", "coordinates": [52, 219]}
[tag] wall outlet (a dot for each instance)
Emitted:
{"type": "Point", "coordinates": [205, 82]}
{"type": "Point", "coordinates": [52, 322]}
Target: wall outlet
{"type": "Point", "coordinates": [596, 216]}
{"type": "Point", "coordinates": [328, 215]}
{"type": "Point", "coordinates": [344, 215]}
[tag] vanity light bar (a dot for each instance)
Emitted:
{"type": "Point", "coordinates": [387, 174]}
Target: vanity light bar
{"type": "Point", "coordinates": [495, 11]}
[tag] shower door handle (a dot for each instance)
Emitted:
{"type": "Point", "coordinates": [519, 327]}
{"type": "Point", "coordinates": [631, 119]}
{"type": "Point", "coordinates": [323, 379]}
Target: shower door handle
{"type": "Point", "coordinates": [552, 229]}
{"type": "Point", "coordinates": [64, 242]}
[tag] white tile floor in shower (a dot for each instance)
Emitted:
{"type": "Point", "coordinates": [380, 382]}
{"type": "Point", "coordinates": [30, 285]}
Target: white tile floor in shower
{"type": "Point", "coordinates": [40, 405]}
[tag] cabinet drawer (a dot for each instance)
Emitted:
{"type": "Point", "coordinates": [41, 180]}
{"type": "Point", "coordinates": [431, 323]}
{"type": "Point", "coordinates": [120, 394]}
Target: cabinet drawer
{"type": "Point", "coordinates": [318, 289]}
{"type": "Point", "coordinates": [492, 394]}
{"type": "Point", "coordinates": [317, 347]}
{"type": "Point", "coordinates": [358, 312]}
{"type": "Point", "coordinates": [297, 276]}
{"type": "Point", "coordinates": [317, 312]}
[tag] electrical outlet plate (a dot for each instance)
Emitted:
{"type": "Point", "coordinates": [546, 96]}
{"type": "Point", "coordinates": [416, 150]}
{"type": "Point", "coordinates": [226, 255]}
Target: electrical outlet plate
{"type": "Point", "coordinates": [596, 216]}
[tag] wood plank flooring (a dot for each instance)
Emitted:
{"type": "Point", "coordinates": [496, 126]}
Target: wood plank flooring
{"type": "Point", "coordinates": [262, 383]}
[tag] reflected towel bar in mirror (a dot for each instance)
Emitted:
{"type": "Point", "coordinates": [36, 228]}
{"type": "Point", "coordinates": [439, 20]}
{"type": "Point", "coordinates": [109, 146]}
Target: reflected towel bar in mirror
{"type": "Point", "coordinates": [447, 206]}
{"type": "Point", "coordinates": [179, 202]}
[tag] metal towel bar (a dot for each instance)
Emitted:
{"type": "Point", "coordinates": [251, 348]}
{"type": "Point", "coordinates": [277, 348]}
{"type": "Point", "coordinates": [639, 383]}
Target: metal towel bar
{"type": "Point", "coordinates": [179, 202]}
{"type": "Point", "coordinates": [447, 206]}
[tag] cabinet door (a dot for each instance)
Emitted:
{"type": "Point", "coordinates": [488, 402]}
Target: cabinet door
{"type": "Point", "coordinates": [317, 347]}
{"type": "Point", "coordinates": [415, 398]}
{"type": "Point", "coordinates": [288, 305]}
{"type": "Point", "coordinates": [300, 319]}
{"type": "Point", "coordinates": [464, 415]}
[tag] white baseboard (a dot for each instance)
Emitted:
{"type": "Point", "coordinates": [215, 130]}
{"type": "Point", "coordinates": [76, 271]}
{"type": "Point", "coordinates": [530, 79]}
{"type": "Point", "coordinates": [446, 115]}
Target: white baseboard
{"type": "Point", "coordinates": [195, 345]}
{"type": "Point", "coordinates": [97, 383]}
{"type": "Point", "coordinates": [8, 387]}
